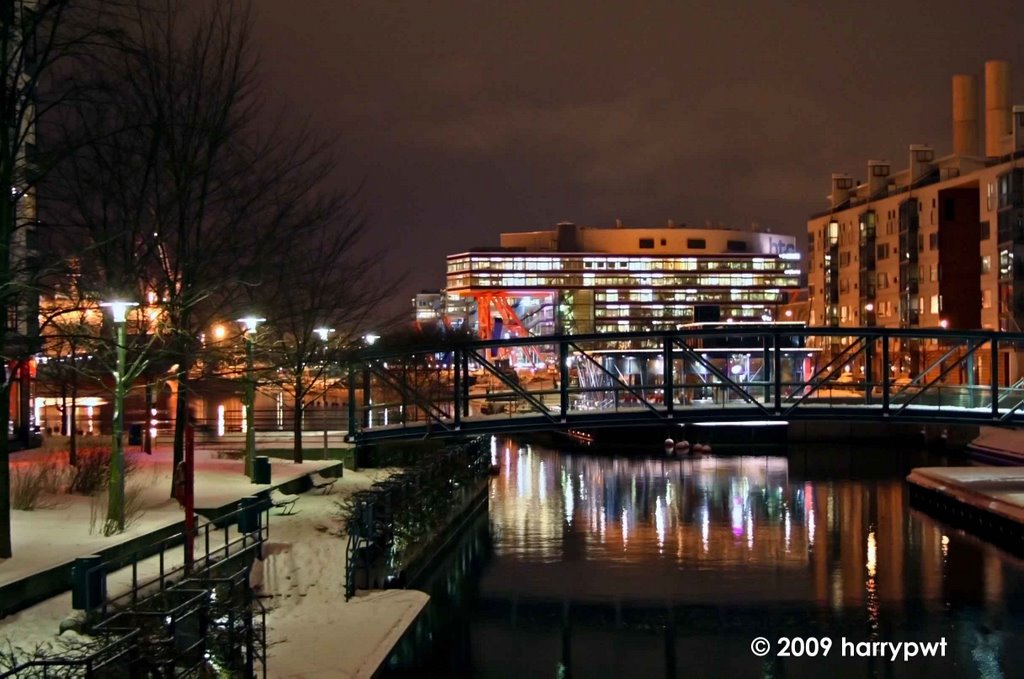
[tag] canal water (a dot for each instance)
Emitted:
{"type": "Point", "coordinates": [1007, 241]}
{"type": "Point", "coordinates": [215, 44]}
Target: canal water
{"type": "Point", "coordinates": [593, 565]}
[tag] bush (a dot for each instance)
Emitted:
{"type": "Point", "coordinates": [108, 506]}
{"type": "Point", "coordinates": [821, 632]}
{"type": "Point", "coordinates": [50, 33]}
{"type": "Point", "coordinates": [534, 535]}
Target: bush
{"type": "Point", "coordinates": [92, 472]}
{"type": "Point", "coordinates": [34, 485]}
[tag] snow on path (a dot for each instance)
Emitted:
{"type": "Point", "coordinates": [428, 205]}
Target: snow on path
{"type": "Point", "coordinates": [312, 631]}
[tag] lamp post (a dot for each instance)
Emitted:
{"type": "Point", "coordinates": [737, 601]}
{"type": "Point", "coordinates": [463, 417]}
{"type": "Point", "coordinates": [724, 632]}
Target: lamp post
{"type": "Point", "coordinates": [115, 506]}
{"type": "Point", "coordinates": [324, 333]}
{"type": "Point", "coordinates": [249, 324]}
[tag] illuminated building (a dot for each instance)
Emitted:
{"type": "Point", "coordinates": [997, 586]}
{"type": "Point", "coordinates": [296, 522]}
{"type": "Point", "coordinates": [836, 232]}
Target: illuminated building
{"type": "Point", "coordinates": [577, 279]}
{"type": "Point", "coordinates": [938, 244]}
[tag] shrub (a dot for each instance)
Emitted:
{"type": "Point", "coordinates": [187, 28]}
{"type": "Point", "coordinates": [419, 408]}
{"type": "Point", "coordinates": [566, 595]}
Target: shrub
{"type": "Point", "coordinates": [34, 485]}
{"type": "Point", "coordinates": [91, 473]}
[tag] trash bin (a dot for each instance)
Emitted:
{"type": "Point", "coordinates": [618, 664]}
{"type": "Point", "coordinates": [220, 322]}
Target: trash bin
{"type": "Point", "coordinates": [88, 583]}
{"type": "Point", "coordinates": [135, 435]}
{"type": "Point", "coordinates": [249, 516]}
{"type": "Point", "coordinates": [261, 470]}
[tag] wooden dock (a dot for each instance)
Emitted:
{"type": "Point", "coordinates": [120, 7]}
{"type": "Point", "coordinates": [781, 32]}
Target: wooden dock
{"type": "Point", "coordinates": [986, 501]}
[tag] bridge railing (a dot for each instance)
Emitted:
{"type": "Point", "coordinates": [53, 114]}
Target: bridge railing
{"type": "Point", "coordinates": [772, 372]}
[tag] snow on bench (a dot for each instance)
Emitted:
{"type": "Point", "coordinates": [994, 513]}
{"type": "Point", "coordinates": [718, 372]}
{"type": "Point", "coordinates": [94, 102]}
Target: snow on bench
{"type": "Point", "coordinates": [321, 482]}
{"type": "Point", "coordinates": [283, 501]}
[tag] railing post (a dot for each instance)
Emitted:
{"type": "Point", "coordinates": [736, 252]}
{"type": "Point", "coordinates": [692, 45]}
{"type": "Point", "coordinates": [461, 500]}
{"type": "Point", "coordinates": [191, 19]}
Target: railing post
{"type": "Point", "coordinates": [563, 376]}
{"type": "Point", "coordinates": [994, 373]}
{"type": "Point", "coordinates": [367, 399]}
{"type": "Point", "coordinates": [668, 381]}
{"type": "Point", "coordinates": [886, 374]}
{"type": "Point", "coordinates": [464, 366]}
{"type": "Point", "coordinates": [777, 361]}
{"type": "Point", "coordinates": [351, 403]}
{"type": "Point", "coordinates": [457, 387]}
{"type": "Point", "coordinates": [869, 368]}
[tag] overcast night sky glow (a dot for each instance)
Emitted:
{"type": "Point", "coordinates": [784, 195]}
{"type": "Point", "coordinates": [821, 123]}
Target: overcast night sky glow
{"type": "Point", "coordinates": [471, 118]}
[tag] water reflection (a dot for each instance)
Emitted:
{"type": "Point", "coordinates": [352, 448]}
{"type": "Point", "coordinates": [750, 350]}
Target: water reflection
{"type": "Point", "coordinates": [601, 566]}
{"type": "Point", "coordinates": [731, 517]}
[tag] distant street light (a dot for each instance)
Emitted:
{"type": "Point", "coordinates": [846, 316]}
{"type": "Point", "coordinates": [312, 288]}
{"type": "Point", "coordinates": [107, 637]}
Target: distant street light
{"type": "Point", "coordinates": [370, 338]}
{"type": "Point", "coordinates": [115, 505]}
{"type": "Point", "coordinates": [324, 333]}
{"type": "Point", "coordinates": [249, 325]}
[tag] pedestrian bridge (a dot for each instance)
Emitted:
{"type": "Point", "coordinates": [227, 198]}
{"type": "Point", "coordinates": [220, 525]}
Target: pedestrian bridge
{"type": "Point", "coordinates": [771, 372]}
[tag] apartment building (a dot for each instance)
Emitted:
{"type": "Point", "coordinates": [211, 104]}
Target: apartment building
{"type": "Point", "coordinates": [938, 244]}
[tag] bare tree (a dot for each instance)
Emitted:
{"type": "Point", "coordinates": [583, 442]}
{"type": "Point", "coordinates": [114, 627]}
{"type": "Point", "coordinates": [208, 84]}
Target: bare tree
{"type": "Point", "coordinates": [43, 45]}
{"type": "Point", "coordinates": [321, 283]}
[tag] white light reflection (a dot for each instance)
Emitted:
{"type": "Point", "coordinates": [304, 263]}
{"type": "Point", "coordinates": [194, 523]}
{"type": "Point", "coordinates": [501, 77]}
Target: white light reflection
{"type": "Point", "coordinates": [750, 527]}
{"type": "Point", "coordinates": [567, 496]}
{"type": "Point", "coordinates": [705, 525]}
{"type": "Point", "coordinates": [789, 529]}
{"type": "Point", "coordinates": [542, 483]}
{"type": "Point", "coordinates": [494, 450]}
{"type": "Point", "coordinates": [809, 513]}
{"type": "Point", "coordinates": [625, 528]}
{"type": "Point", "coordinates": [659, 522]}
{"type": "Point", "coordinates": [945, 546]}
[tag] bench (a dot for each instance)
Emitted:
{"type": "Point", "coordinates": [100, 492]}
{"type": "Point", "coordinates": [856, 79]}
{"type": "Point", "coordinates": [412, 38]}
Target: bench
{"type": "Point", "coordinates": [321, 482]}
{"type": "Point", "coordinates": [229, 453]}
{"type": "Point", "coordinates": [283, 501]}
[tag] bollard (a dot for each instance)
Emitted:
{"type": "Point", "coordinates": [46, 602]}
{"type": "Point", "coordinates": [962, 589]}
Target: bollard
{"type": "Point", "coordinates": [249, 516]}
{"type": "Point", "coordinates": [88, 583]}
{"type": "Point", "coordinates": [261, 470]}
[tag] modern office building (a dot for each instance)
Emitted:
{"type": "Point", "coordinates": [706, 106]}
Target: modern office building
{"type": "Point", "coordinates": [937, 244]}
{"type": "Point", "coordinates": [578, 279]}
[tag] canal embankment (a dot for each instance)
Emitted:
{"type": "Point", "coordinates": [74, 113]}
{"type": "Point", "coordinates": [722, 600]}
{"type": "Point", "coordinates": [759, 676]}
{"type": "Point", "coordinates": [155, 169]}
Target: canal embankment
{"type": "Point", "coordinates": [986, 501]}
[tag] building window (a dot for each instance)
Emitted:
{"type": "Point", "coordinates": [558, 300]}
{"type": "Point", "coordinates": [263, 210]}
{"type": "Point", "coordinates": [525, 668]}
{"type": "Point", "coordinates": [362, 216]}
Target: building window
{"type": "Point", "coordinates": [933, 241]}
{"type": "Point", "coordinates": [736, 246]}
{"type": "Point", "coordinates": [696, 243]}
{"type": "Point", "coordinates": [986, 299]}
{"type": "Point", "coordinates": [664, 242]}
{"type": "Point", "coordinates": [883, 281]}
{"type": "Point", "coordinates": [935, 304]}
{"type": "Point", "coordinates": [844, 259]}
{"type": "Point", "coordinates": [646, 243]}
{"type": "Point", "coordinates": [986, 232]}
{"type": "Point", "coordinates": [986, 263]}
{"type": "Point", "coordinates": [948, 209]}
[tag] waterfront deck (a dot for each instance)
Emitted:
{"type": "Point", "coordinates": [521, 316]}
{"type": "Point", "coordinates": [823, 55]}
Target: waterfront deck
{"type": "Point", "coordinates": [988, 501]}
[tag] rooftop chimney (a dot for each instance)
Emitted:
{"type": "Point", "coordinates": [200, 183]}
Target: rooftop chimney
{"type": "Point", "coordinates": [842, 184]}
{"type": "Point", "coordinates": [1018, 128]}
{"type": "Point", "coordinates": [568, 237]}
{"type": "Point", "coordinates": [878, 177]}
{"type": "Point", "coordinates": [965, 115]}
{"type": "Point", "coordinates": [921, 158]}
{"type": "Point", "coordinates": [997, 105]}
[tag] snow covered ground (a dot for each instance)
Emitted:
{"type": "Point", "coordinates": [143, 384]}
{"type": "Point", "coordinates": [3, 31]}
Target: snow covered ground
{"type": "Point", "coordinates": [312, 630]}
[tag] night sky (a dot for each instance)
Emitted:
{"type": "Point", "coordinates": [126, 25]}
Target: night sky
{"type": "Point", "coordinates": [471, 118]}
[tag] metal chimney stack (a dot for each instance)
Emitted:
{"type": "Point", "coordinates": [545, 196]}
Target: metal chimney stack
{"type": "Point", "coordinates": [965, 115]}
{"type": "Point", "coordinates": [997, 106]}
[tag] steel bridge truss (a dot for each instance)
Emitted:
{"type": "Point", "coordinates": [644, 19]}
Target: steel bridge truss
{"type": "Point", "coordinates": [764, 373]}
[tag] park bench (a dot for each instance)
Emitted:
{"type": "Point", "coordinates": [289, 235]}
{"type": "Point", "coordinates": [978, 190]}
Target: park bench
{"type": "Point", "coordinates": [321, 482]}
{"type": "Point", "coordinates": [283, 501]}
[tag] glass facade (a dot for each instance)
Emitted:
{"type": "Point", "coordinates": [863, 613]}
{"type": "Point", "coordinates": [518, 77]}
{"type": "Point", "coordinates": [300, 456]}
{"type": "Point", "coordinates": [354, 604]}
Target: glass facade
{"type": "Point", "coordinates": [631, 293]}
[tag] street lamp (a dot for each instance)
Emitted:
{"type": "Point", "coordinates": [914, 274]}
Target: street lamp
{"type": "Point", "coordinates": [324, 333]}
{"type": "Point", "coordinates": [249, 324]}
{"type": "Point", "coordinates": [115, 505]}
